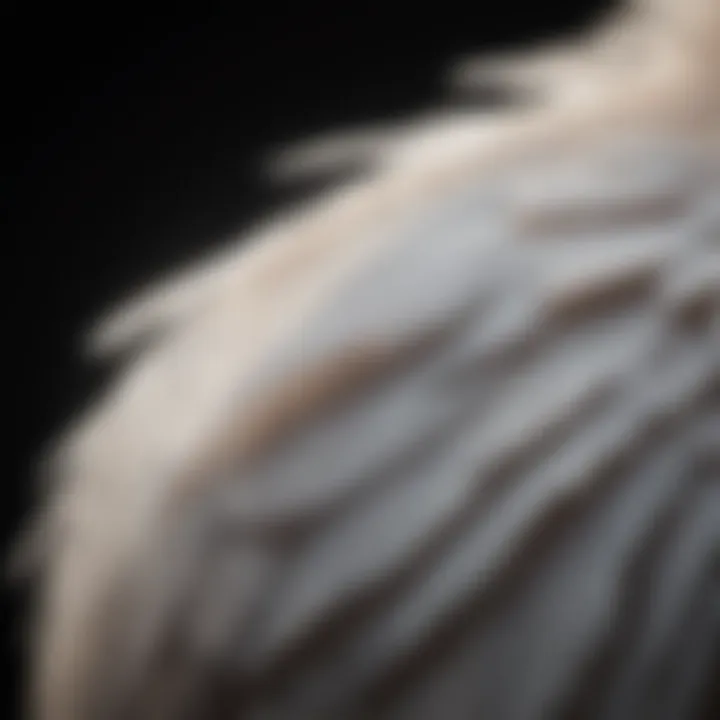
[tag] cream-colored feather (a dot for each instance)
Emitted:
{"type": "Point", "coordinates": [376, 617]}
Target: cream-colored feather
{"type": "Point", "coordinates": [202, 394]}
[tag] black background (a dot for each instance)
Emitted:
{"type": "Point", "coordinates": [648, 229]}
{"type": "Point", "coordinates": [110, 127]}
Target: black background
{"type": "Point", "coordinates": [135, 145]}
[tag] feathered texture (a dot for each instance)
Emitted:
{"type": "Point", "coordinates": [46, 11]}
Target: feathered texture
{"type": "Point", "coordinates": [430, 401]}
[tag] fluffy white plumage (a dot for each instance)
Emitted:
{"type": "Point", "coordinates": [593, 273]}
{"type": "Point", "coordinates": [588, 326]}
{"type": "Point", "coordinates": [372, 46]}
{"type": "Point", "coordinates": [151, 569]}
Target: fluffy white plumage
{"type": "Point", "coordinates": [510, 326]}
